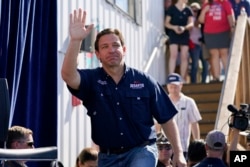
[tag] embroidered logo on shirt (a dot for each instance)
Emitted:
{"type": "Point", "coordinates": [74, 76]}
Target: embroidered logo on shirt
{"type": "Point", "coordinates": [102, 82]}
{"type": "Point", "coordinates": [137, 85]}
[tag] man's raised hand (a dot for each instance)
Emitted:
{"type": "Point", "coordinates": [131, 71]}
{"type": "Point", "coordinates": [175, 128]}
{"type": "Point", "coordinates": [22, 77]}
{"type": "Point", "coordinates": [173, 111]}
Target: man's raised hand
{"type": "Point", "coordinates": [77, 27]}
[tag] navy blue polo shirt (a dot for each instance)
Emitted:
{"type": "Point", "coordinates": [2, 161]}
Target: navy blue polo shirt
{"type": "Point", "coordinates": [213, 162]}
{"type": "Point", "coordinates": [12, 164]}
{"type": "Point", "coordinates": [122, 114]}
{"type": "Point", "coordinates": [237, 7]}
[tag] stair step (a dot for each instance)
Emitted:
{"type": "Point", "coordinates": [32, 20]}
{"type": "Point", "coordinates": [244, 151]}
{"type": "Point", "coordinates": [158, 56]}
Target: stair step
{"type": "Point", "coordinates": [205, 97]}
{"type": "Point", "coordinates": [208, 107]}
{"type": "Point", "coordinates": [208, 116]}
{"type": "Point", "coordinates": [205, 128]}
{"type": "Point", "coordinates": [202, 88]}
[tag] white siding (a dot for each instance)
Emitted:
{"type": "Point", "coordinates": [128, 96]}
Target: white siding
{"type": "Point", "coordinates": [74, 131]}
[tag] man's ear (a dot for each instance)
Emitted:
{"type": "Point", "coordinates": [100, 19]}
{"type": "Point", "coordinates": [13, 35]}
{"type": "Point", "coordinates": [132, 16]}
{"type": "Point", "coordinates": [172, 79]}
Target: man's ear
{"type": "Point", "coordinates": [124, 49]}
{"type": "Point", "coordinates": [98, 56]}
{"type": "Point", "coordinates": [226, 147]}
{"type": "Point", "coordinates": [206, 147]}
{"type": "Point", "coordinates": [14, 144]}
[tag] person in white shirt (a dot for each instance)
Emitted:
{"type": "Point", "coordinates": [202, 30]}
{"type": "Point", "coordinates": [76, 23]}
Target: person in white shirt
{"type": "Point", "coordinates": [188, 116]}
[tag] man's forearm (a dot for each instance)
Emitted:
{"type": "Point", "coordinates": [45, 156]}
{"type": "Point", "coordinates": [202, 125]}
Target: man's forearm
{"type": "Point", "coordinates": [69, 67]}
{"type": "Point", "coordinates": [171, 130]}
{"type": "Point", "coordinates": [195, 130]}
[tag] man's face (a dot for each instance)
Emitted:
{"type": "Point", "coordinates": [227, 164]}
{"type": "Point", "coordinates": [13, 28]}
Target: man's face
{"type": "Point", "coordinates": [165, 152]}
{"type": "Point", "coordinates": [111, 52]}
{"type": "Point", "coordinates": [248, 146]}
{"type": "Point", "coordinates": [88, 164]}
{"type": "Point", "coordinates": [25, 143]}
{"type": "Point", "coordinates": [174, 89]}
{"type": "Point", "coordinates": [195, 10]}
{"type": "Point", "coordinates": [167, 3]}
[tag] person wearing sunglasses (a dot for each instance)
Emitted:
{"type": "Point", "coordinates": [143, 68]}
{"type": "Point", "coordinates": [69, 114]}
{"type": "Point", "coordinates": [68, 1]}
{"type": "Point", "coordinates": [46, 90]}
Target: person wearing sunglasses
{"type": "Point", "coordinates": [18, 138]}
{"type": "Point", "coordinates": [165, 151]}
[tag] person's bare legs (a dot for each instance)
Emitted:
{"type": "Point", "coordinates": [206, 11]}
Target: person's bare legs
{"type": "Point", "coordinates": [184, 61]}
{"type": "Point", "coordinates": [224, 57]}
{"type": "Point", "coordinates": [215, 63]}
{"type": "Point", "coordinates": [173, 57]}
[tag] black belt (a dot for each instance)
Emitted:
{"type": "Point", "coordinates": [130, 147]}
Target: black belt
{"type": "Point", "coordinates": [123, 150]}
{"type": "Point", "coordinates": [115, 150]}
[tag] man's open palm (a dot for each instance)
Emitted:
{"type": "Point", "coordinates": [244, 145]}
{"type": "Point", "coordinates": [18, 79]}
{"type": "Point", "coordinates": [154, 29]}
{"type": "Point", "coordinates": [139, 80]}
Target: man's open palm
{"type": "Point", "coordinates": [77, 27]}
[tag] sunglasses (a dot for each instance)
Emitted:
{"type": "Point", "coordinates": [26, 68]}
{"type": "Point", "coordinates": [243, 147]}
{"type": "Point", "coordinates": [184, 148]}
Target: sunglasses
{"type": "Point", "coordinates": [30, 144]}
{"type": "Point", "coordinates": [166, 147]}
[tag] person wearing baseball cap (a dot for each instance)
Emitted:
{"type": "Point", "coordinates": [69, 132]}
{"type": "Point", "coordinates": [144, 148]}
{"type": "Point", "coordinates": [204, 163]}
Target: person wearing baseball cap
{"type": "Point", "coordinates": [165, 151]}
{"type": "Point", "coordinates": [188, 114]}
{"type": "Point", "coordinates": [174, 78]}
{"type": "Point", "coordinates": [215, 140]}
{"type": "Point", "coordinates": [215, 147]}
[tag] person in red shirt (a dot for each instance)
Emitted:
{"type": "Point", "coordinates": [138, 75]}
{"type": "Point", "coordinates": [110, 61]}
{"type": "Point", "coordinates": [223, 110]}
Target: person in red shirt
{"type": "Point", "coordinates": [219, 23]}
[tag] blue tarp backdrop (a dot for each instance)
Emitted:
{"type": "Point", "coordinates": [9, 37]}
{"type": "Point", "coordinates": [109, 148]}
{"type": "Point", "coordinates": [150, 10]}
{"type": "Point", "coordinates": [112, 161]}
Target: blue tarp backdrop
{"type": "Point", "coordinates": [28, 59]}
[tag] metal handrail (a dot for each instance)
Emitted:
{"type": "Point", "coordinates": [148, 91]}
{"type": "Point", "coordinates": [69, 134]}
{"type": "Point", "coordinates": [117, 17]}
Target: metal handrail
{"type": "Point", "coordinates": [36, 154]}
{"type": "Point", "coordinates": [161, 41]}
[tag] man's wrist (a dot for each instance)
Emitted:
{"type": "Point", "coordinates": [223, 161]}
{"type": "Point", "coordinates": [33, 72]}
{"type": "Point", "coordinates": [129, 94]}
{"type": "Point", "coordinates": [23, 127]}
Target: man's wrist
{"type": "Point", "coordinates": [178, 151]}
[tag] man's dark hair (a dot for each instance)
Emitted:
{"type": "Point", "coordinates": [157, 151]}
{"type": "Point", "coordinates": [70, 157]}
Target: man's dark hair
{"type": "Point", "coordinates": [108, 31]}
{"type": "Point", "coordinates": [87, 154]}
{"type": "Point", "coordinates": [16, 133]}
{"type": "Point", "coordinates": [196, 151]}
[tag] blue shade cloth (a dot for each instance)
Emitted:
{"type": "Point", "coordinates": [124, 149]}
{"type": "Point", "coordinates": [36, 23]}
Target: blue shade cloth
{"type": "Point", "coordinates": [4, 110]}
{"type": "Point", "coordinates": [28, 59]}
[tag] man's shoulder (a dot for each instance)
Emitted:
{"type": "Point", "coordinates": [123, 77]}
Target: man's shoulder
{"type": "Point", "coordinates": [96, 72]}
{"type": "Point", "coordinates": [136, 72]}
{"type": "Point", "coordinates": [245, 1]}
{"type": "Point", "coordinates": [160, 164]}
{"type": "Point", "coordinates": [91, 69]}
{"type": "Point", "coordinates": [187, 98]}
{"type": "Point", "coordinates": [211, 161]}
{"type": "Point", "coordinates": [12, 164]}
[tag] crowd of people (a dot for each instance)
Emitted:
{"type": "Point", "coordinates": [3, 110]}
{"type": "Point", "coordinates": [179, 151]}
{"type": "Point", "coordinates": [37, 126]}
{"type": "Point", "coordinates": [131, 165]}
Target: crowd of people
{"type": "Point", "coordinates": [201, 32]}
{"type": "Point", "coordinates": [214, 150]}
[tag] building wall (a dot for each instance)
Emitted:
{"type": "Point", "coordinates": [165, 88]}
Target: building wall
{"type": "Point", "coordinates": [74, 131]}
